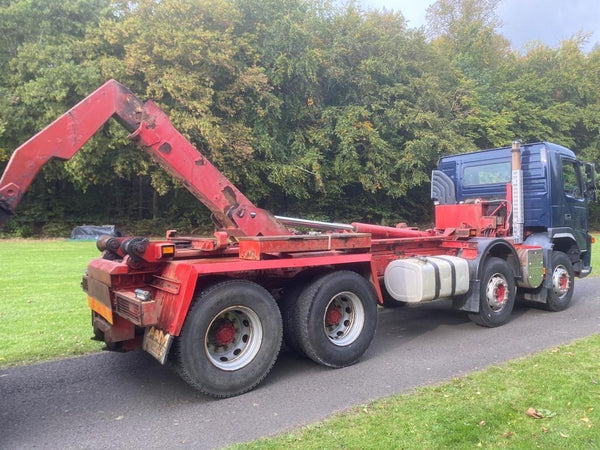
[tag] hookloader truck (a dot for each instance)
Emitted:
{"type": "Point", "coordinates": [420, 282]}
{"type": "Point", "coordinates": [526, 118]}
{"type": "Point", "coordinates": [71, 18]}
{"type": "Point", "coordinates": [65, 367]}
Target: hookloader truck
{"type": "Point", "coordinates": [509, 222]}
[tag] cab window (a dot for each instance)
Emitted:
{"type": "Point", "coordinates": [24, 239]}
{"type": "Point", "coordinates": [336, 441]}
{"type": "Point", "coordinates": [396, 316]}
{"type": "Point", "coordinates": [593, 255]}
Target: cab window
{"type": "Point", "coordinates": [486, 174]}
{"type": "Point", "coordinates": [572, 179]}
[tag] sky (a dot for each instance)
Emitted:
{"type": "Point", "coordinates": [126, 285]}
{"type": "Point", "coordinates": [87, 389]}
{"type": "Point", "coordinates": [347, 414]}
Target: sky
{"type": "Point", "coordinates": [548, 21]}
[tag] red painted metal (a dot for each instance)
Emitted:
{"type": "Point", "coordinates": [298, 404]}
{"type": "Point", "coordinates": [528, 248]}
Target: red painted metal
{"type": "Point", "coordinates": [153, 132]}
{"type": "Point", "coordinates": [466, 215]}
{"type": "Point", "coordinates": [564, 282]}
{"type": "Point", "coordinates": [381, 232]}
{"type": "Point", "coordinates": [225, 333]}
{"type": "Point", "coordinates": [65, 136]}
{"type": "Point", "coordinates": [234, 212]}
{"type": "Point", "coordinates": [260, 247]}
{"type": "Point", "coordinates": [332, 316]}
{"type": "Point", "coordinates": [500, 292]}
{"type": "Point", "coordinates": [173, 284]}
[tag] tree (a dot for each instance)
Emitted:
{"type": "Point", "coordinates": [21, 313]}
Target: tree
{"type": "Point", "coordinates": [311, 107]}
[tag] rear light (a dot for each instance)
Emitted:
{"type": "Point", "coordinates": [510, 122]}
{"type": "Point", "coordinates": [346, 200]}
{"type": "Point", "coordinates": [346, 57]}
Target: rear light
{"type": "Point", "coordinates": [167, 251]}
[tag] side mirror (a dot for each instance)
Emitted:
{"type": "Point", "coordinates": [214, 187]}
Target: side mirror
{"type": "Point", "coordinates": [590, 181]}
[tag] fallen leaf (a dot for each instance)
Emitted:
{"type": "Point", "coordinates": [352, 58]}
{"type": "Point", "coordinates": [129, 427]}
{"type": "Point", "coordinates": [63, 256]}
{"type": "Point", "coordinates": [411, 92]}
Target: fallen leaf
{"type": "Point", "coordinates": [508, 434]}
{"type": "Point", "coordinates": [544, 430]}
{"type": "Point", "coordinates": [555, 350]}
{"type": "Point", "coordinates": [540, 413]}
{"type": "Point", "coordinates": [482, 423]}
{"type": "Point", "coordinates": [585, 419]}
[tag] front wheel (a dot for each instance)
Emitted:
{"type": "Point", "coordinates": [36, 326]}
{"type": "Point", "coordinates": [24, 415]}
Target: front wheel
{"type": "Point", "coordinates": [563, 283]}
{"type": "Point", "coordinates": [497, 294]}
{"type": "Point", "coordinates": [336, 317]}
{"type": "Point", "coordinates": [230, 339]}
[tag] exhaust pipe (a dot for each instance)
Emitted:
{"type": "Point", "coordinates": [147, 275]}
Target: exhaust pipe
{"type": "Point", "coordinates": [517, 193]}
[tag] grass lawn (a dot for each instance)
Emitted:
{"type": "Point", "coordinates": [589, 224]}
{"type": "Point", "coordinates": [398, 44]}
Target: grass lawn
{"type": "Point", "coordinates": [596, 256]}
{"type": "Point", "coordinates": [549, 400]}
{"type": "Point", "coordinates": [43, 311]}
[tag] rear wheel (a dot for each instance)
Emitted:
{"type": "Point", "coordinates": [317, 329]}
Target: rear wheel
{"type": "Point", "coordinates": [563, 283]}
{"type": "Point", "coordinates": [230, 339]}
{"type": "Point", "coordinates": [287, 304]}
{"type": "Point", "coordinates": [497, 294]}
{"type": "Point", "coordinates": [336, 317]}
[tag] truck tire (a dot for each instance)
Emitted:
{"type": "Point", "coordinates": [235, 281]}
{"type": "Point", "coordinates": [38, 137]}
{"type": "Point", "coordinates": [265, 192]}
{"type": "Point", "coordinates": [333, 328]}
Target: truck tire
{"type": "Point", "coordinates": [497, 294]}
{"type": "Point", "coordinates": [230, 339]}
{"type": "Point", "coordinates": [336, 317]}
{"type": "Point", "coordinates": [287, 304]}
{"type": "Point", "coordinates": [563, 283]}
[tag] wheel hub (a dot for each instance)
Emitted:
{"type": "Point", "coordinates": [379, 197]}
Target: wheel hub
{"type": "Point", "coordinates": [344, 319]}
{"type": "Point", "coordinates": [233, 338]}
{"type": "Point", "coordinates": [497, 292]}
{"type": "Point", "coordinates": [333, 317]}
{"type": "Point", "coordinates": [224, 334]}
{"type": "Point", "coordinates": [561, 282]}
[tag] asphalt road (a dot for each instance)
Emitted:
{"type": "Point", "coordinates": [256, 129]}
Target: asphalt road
{"type": "Point", "coordinates": [112, 400]}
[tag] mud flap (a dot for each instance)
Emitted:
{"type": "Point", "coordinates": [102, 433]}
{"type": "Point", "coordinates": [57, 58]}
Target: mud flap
{"type": "Point", "coordinates": [157, 343]}
{"type": "Point", "coordinates": [468, 302]}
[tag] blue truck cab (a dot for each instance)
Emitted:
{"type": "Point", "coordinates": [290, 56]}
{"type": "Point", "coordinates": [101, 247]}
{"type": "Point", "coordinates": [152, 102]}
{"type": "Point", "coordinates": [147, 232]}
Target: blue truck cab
{"type": "Point", "coordinates": [556, 190]}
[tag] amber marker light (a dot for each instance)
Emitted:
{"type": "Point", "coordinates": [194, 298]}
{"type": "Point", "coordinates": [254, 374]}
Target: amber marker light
{"type": "Point", "coordinates": [167, 251]}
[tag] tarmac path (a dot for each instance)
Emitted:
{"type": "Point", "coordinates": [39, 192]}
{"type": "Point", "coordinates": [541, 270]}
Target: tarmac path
{"type": "Point", "coordinates": [114, 400]}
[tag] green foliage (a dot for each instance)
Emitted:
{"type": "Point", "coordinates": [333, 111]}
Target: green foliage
{"type": "Point", "coordinates": [311, 107]}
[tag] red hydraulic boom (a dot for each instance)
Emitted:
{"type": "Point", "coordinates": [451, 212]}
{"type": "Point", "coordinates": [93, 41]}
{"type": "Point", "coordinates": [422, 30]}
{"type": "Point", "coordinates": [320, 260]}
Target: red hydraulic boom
{"type": "Point", "coordinates": [153, 132]}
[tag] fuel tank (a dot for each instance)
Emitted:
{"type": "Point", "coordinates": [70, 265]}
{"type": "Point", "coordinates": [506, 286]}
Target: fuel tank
{"type": "Point", "coordinates": [415, 280]}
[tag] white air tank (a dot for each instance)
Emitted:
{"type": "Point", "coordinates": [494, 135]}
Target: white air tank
{"type": "Point", "coordinates": [421, 279]}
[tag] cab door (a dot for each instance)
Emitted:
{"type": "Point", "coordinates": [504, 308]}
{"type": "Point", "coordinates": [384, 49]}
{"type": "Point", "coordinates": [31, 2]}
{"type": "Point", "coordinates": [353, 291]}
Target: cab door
{"type": "Point", "coordinates": [574, 212]}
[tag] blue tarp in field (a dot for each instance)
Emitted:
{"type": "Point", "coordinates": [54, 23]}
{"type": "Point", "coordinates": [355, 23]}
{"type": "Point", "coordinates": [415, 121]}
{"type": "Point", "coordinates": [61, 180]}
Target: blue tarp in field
{"type": "Point", "coordinates": [93, 232]}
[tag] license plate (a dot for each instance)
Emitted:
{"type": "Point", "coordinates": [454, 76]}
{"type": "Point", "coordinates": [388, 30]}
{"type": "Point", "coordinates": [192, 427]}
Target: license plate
{"type": "Point", "coordinates": [157, 343]}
